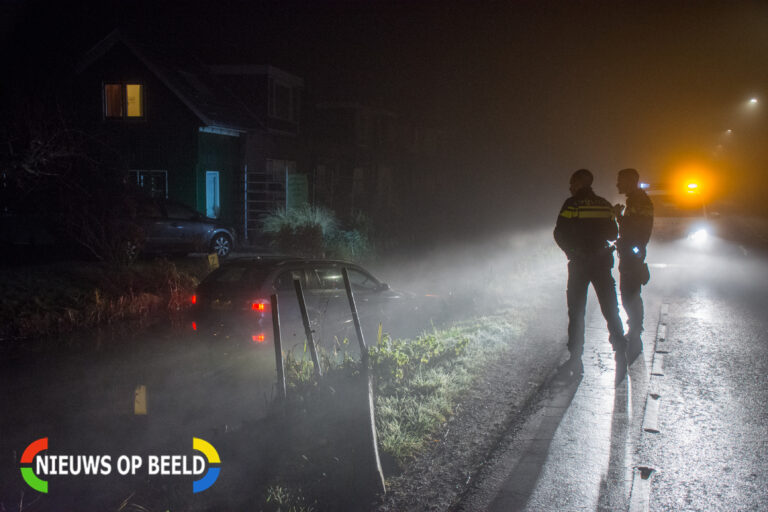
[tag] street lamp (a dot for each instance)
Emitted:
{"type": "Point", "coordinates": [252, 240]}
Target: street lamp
{"type": "Point", "coordinates": [753, 101]}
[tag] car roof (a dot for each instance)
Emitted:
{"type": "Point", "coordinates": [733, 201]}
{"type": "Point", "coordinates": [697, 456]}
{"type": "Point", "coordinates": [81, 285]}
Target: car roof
{"type": "Point", "coordinates": [281, 261]}
{"type": "Point", "coordinates": [271, 265]}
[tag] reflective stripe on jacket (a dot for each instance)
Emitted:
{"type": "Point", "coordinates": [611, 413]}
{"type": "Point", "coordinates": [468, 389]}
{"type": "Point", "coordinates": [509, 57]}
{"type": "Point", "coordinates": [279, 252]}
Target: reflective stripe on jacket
{"type": "Point", "coordinates": [585, 225]}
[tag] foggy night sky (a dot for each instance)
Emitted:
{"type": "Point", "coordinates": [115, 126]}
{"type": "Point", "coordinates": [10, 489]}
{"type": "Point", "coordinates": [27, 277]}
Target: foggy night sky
{"type": "Point", "coordinates": [535, 89]}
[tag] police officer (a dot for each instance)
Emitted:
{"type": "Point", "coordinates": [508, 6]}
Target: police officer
{"type": "Point", "coordinates": [635, 226]}
{"type": "Point", "coordinates": [585, 227]}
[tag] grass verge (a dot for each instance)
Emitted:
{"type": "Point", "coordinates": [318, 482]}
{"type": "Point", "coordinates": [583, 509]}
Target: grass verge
{"type": "Point", "coordinates": [418, 384]}
{"type": "Point", "coordinates": [50, 300]}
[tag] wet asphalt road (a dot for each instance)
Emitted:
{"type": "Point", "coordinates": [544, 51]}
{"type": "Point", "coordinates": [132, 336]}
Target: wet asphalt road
{"type": "Point", "coordinates": [712, 449]}
{"type": "Point", "coordinates": [693, 413]}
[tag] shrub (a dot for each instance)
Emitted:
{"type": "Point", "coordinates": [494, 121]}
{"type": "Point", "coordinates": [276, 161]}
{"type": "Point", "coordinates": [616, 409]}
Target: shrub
{"type": "Point", "coordinates": [349, 245]}
{"type": "Point", "coordinates": [296, 217]}
{"type": "Point", "coordinates": [315, 231]}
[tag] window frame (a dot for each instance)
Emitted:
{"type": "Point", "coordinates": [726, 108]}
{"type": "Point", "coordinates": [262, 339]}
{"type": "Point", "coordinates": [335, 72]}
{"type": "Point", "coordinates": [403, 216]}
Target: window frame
{"type": "Point", "coordinates": [140, 175]}
{"type": "Point", "coordinates": [272, 109]}
{"type": "Point", "coordinates": [124, 100]}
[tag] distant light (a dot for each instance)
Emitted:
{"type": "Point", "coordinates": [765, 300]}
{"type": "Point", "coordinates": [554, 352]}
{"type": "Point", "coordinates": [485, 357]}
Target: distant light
{"type": "Point", "coordinates": [259, 338]}
{"type": "Point", "coordinates": [194, 326]}
{"type": "Point", "coordinates": [729, 131]}
{"type": "Point", "coordinates": [753, 101]}
{"type": "Point", "coordinates": [636, 250]}
{"type": "Point", "coordinates": [700, 236]}
{"type": "Point", "coordinates": [193, 300]}
{"type": "Point", "coordinates": [693, 186]}
{"type": "Point", "coordinates": [644, 185]}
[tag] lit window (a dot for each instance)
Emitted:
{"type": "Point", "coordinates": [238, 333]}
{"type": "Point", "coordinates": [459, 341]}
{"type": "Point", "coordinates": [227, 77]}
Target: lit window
{"type": "Point", "coordinates": [123, 101]}
{"type": "Point", "coordinates": [133, 106]}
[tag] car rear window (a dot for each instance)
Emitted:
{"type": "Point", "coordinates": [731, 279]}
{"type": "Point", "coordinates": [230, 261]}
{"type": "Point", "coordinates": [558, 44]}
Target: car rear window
{"type": "Point", "coordinates": [326, 279]}
{"type": "Point", "coordinates": [177, 211]}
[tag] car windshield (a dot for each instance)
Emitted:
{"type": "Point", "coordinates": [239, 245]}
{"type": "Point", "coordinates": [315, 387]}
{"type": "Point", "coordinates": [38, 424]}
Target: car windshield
{"type": "Point", "coordinates": [362, 281]}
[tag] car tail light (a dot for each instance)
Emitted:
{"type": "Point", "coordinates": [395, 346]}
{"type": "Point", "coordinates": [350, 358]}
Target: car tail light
{"type": "Point", "coordinates": [193, 300]}
{"type": "Point", "coordinates": [260, 306]}
{"type": "Point", "coordinates": [194, 326]}
{"type": "Point", "coordinates": [259, 338]}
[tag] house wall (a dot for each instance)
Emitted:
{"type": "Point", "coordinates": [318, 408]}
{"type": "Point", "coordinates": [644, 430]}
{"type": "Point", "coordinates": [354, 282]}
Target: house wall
{"type": "Point", "coordinates": [166, 138]}
{"type": "Point", "coordinates": [356, 148]}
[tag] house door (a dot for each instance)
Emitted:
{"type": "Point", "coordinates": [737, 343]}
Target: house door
{"type": "Point", "coordinates": [212, 195]}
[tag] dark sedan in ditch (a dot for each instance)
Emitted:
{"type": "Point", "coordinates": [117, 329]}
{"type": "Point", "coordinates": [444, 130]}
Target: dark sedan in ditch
{"type": "Point", "coordinates": [233, 303]}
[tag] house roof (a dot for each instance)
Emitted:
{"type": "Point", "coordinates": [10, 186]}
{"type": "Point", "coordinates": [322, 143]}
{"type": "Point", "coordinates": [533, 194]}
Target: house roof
{"type": "Point", "coordinates": [188, 78]}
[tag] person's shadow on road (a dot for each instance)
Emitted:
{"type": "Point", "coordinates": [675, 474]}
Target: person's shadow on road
{"type": "Point", "coordinates": [521, 481]}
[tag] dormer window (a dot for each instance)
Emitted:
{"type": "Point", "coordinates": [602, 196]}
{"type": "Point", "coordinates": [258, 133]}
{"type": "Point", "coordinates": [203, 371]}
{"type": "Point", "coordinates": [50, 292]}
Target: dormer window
{"type": "Point", "coordinates": [123, 100]}
{"type": "Point", "coordinates": [283, 101]}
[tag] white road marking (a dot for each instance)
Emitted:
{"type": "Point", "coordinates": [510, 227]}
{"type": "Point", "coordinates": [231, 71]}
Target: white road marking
{"type": "Point", "coordinates": [658, 365]}
{"type": "Point", "coordinates": [641, 490]}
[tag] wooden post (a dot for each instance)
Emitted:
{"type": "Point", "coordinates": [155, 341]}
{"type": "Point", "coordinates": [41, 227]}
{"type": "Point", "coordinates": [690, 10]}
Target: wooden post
{"type": "Point", "coordinates": [375, 471]}
{"type": "Point", "coordinates": [278, 347]}
{"type": "Point", "coordinates": [307, 328]}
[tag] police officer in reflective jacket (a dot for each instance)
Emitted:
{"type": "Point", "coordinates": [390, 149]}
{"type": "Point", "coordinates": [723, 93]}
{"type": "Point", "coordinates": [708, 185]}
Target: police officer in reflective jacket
{"type": "Point", "coordinates": [635, 226]}
{"type": "Point", "coordinates": [585, 227]}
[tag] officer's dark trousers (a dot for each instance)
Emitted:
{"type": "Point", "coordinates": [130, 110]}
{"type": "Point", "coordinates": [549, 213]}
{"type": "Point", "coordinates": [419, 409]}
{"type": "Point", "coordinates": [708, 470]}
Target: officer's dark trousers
{"type": "Point", "coordinates": [630, 282]}
{"type": "Point", "coordinates": [598, 272]}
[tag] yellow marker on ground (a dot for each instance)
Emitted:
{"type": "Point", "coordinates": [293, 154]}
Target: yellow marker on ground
{"type": "Point", "coordinates": [140, 400]}
{"type": "Point", "coordinates": [213, 261]}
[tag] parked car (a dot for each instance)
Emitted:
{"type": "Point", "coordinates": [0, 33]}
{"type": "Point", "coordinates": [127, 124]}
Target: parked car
{"type": "Point", "coordinates": [169, 227]}
{"type": "Point", "coordinates": [234, 302]}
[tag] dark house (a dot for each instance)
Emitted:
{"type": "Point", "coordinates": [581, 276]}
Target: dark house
{"type": "Point", "coordinates": [358, 158]}
{"type": "Point", "coordinates": [372, 160]}
{"type": "Point", "coordinates": [223, 140]}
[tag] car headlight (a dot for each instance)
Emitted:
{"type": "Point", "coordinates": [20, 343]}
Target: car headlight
{"type": "Point", "coordinates": [699, 236]}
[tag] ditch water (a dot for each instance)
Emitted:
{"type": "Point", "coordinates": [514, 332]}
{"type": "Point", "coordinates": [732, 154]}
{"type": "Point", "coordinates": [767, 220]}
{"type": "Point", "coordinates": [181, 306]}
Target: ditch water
{"type": "Point", "coordinates": [132, 390]}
